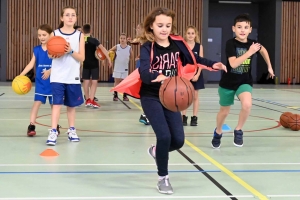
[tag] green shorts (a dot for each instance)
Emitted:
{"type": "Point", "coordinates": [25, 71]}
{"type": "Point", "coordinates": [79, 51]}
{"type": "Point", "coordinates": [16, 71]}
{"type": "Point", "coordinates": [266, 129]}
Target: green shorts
{"type": "Point", "coordinates": [227, 96]}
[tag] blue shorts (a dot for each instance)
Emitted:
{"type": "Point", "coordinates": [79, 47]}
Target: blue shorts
{"type": "Point", "coordinates": [67, 94]}
{"type": "Point", "coordinates": [42, 98]}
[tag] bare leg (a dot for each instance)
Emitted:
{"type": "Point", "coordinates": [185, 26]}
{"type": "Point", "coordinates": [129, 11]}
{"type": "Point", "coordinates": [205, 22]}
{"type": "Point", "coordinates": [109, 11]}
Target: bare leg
{"type": "Point", "coordinates": [196, 103]}
{"type": "Point", "coordinates": [93, 89]}
{"type": "Point", "coordinates": [222, 114]}
{"type": "Point", "coordinates": [86, 88]}
{"type": "Point", "coordinates": [246, 101]}
{"type": "Point", "coordinates": [55, 115]}
{"type": "Point", "coordinates": [34, 111]}
{"type": "Point", "coordinates": [71, 116]}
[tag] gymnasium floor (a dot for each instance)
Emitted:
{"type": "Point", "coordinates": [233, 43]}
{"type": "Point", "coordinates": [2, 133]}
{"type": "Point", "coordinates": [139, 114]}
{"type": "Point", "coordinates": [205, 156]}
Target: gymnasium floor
{"type": "Point", "coordinates": [111, 161]}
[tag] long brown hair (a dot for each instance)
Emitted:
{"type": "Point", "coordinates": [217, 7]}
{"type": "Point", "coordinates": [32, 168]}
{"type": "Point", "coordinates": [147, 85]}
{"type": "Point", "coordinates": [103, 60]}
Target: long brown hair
{"type": "Point", "coordinates": [148, 34]}
{"type": "Point", "coordinates": [197, 38]}
{"type": "Point", "coordinates": [62, 14]}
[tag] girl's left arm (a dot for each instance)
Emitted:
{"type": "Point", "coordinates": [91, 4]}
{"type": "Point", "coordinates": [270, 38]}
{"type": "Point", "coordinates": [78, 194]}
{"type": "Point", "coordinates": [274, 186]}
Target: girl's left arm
{"type": "Point", "coordinates": [80, 55]}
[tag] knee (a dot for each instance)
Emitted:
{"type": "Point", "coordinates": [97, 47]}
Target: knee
{"type": "Point", "coordinates": [246, 106]}
{"type": "Point", "coordinates": [177, 143]}
{"type": "Point", "coordinates": [164, 139]}
{"type": "Point", "coordinates": [224, 111]}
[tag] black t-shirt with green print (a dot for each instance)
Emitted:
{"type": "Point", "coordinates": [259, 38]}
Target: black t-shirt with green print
{"type": "Point", "coordinates": [242, 74]}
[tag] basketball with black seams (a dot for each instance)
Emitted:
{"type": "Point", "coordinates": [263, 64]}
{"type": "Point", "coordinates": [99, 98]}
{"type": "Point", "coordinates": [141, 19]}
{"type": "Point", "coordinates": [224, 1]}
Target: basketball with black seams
{"type": "Point", "coordinates": [284, 119]}
{"type": "Point", "coordinates": [176, 93]}
{"type": "Point", "coordinates": [294, 122]}
{"type": "Point", "coordinates": [56, 46]}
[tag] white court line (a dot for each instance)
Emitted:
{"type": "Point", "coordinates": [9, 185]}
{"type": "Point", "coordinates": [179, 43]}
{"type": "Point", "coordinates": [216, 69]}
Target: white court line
{"type": "Point", "coordinates": [261, 163]}
{"type": "Point", "coordinates": [46, 165]}
{"type": "Point", "coordinates": [136, 164]}
{"type": "Point", "coordinates": [284, 195]}
{"type": "Point", "coordinates": [133, 197]}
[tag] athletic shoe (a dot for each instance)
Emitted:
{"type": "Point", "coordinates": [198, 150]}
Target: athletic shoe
{"type": "Point", "coordinates": [125, 98]}
{"type": "Point", "coordinates": [194, 121]}
{"type": "Point", "coordinates": [164, 186]}
{"type": "Point", "coordinates": [88, 102]}
{"type": "Point", "coordinates": [72, 136]}
{"type": "Point", "coordinates": [94, 104]}
{"type": "Point", "coordinates": [31, 130]}
{"type": "Point", "coordinates": [216, 141]}
{"type": "Point", "coordinates": [143, 119]}
{"type": "Point", "coordinates": [238, 138]}
{"type": "Point", "coordinates": [52, 137]}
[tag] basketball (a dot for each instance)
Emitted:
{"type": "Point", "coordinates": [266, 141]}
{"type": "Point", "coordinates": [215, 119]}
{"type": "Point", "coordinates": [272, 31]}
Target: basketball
{"type": "Point", "coordinates": [294, 122]}
{"type": "Point", "coordinates": [99, 54]}
{"type": "Point", "coordinates": [56, 46]}
{"type": "Point", "coordinates": [21, 85]}
{"type": "Point", "coordinates": [176, 93]}
{"type": "Point", "coordinates": [111, 55]}
{"type": "Point", "coordinates": [284, 119]}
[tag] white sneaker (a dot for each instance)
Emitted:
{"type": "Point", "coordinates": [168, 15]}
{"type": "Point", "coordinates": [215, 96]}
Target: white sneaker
{"type": "Point", "coordinates": [52, 138]}
{"type": "Point", "coordinates": [72, 136]}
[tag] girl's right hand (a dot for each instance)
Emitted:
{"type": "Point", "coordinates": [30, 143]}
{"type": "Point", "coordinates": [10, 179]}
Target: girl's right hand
{"type": "Point", "coordinates": [160, 78]}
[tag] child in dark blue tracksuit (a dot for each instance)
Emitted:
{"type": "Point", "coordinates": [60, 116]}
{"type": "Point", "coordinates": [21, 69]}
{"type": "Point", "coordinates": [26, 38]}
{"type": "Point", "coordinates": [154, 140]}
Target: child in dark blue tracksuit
{"type": "Point", "coordinates": [167, 125]}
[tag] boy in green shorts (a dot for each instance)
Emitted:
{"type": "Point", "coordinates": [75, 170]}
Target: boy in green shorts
{"type": "Point", "coordinates": [238, 80]}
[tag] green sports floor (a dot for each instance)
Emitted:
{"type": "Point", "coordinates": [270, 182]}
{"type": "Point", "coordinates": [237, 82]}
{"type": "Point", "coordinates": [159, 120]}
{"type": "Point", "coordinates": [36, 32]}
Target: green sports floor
{"type": "Point", "coordinates": [111, 160]}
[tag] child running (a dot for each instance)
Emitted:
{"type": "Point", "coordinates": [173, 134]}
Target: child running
{"type": "Point", "coordinates": [238, 81]}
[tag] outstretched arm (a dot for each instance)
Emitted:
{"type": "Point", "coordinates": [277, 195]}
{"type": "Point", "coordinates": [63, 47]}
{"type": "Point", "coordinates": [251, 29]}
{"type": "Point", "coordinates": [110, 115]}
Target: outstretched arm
{"type": "Point", "coordinates": [29, 66]}
{"type": "Point", "coordinates": [266, 57]}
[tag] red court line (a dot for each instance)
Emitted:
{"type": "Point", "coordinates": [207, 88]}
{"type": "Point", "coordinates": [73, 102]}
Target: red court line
{"type": "Point", "coordinates": [202, 133]}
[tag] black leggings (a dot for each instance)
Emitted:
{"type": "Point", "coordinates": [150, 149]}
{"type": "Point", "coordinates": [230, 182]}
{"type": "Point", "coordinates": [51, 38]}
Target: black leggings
{"type": "Point", "coordinates": [168, 129]}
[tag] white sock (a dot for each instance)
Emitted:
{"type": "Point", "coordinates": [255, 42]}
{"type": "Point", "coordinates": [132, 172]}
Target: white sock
{"type": "Point", "coordinates": [163, 177]}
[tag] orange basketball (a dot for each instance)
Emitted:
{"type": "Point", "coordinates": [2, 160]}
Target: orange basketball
{"type": "Point", "coordinates": [284, 119]}
{"type": "Point", "coordinates": [294, 122]}
{"type": "Point", "coordinates": [99, 54]}
{"type": "Point", "coordinates": [56, 46]}
{"type": "Point", "coordinates": [176, 93]}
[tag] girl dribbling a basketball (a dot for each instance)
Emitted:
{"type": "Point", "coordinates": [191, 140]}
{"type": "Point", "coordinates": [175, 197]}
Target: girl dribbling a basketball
{"type": "Point", "coordinates": [42, 63]}
{"type": "Point", "coordinates": [65, 75]}
{"type": "Point", "coordinates": [167, 125]}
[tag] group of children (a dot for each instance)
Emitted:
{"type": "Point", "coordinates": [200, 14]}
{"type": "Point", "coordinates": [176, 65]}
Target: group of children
{"type": "Point", "coordinates": [158, 44]}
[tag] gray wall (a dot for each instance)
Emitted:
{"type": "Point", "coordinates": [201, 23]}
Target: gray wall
{"type": "Point", "coordinates": [269, 35]}
{"type": "Point", "coordinates": [3, 30]}
{"type": "Point", "coordinates": [222, 15]}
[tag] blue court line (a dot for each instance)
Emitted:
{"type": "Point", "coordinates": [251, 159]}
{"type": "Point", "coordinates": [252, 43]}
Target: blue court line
{"type": "Point", "coordinates": [149, 172]}
{"type": "Point", "coordinates": [274, 103]}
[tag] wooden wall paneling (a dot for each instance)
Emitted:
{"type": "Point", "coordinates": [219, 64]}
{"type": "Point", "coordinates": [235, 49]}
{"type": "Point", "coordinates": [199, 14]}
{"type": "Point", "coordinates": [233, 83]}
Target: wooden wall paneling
{"type": "Point", "coordinates": [107, 18]}
{"type": "Point", "coordinates": [290, 42]}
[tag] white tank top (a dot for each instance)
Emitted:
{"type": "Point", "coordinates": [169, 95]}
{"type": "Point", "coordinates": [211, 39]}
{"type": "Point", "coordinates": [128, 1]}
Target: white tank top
{"type": "Point", "coordinates": [66, 69]}
{"type": "Point", "coordinates": [122, 58]}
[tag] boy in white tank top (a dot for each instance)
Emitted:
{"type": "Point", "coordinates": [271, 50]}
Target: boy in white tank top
{"type": "Point", "coordinates": [65, 75]}
{"type": "Point", "coordinates": [124, 54]}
